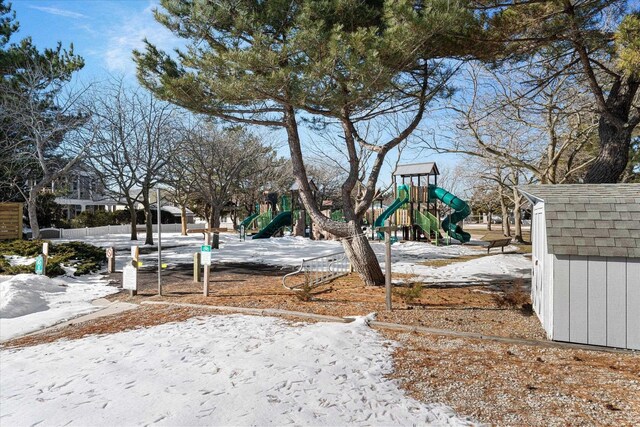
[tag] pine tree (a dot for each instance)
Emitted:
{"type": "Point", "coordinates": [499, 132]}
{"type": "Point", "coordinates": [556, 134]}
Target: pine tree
{"type": "Point", "coordinates": [33, 124]}
{"type": "Point", "coordinates": [280, 63]}
{"type": "Point", "coordinates": [596, 43]}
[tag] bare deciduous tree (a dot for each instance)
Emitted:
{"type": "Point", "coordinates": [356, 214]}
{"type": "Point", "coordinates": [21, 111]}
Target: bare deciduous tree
{"type": "Point", "coordinates": [53, 136]}
{"type": "Point", "coordinates": [217, 161]}
{"type": "Point", "coordinates": [137, 136]}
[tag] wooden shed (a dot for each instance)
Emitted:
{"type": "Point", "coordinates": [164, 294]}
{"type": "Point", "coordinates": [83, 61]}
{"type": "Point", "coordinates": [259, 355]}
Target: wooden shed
{"type": "Point", "coordinates": [586, 262]}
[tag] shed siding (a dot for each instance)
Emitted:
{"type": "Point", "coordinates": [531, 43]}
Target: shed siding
{"type": "Point", "coordinates": [578, 299]}
{"type": "Point", "coordinates": [542, 279]}
{"type": "Point", "coordinates": [633, 303]}
{"type": "Point", "coordinates": [547, 287]}
{"type": "Point", "coordinates": [597, 309]}
{"type": "Point", "coordinates": [537, 230]}
{"type": "Point", "coordinates": [597, 300]}
{"type": "Point", "coordinates": [616, 302]}
{"type": "Point", "coordinates": [561, 298]}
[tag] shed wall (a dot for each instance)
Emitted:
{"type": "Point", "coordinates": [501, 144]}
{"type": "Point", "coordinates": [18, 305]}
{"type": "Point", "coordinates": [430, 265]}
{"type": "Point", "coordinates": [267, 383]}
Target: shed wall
{"type": "Point", "coordinates": [596, 300]}
{"type": "Point", "coordinates": [542, 277]}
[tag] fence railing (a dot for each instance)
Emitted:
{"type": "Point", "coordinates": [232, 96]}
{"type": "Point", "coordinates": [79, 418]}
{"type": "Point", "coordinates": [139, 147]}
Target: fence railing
{"type": "Point", "coordinates": [316, 271]}
{"type": "Point", "coordinates": [74, 233]}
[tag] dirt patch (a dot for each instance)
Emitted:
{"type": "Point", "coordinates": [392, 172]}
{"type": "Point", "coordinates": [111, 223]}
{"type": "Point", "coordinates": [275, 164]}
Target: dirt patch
{"type": "Point", "coordinates": [141, 317]}
{"type": "Point", "coordinates": [465, 309]}
{"type": "Point", "coordinates": [517, 384]}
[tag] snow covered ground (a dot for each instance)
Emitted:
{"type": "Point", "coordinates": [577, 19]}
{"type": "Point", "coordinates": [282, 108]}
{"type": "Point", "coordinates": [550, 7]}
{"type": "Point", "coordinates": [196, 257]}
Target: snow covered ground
{"type": "Point", "coordinates": [494, 267]}
{"type": "Point", "coordinates": [221, 370]}
{"type": "Point", "coordinates": [29, 302]}
{"type": "Point", "coordinates": [289, 251]}
{"type": "Point", "coordinates": [19, 260]}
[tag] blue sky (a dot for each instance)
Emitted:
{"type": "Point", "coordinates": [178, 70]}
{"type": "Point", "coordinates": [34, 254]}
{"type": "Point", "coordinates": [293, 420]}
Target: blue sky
{"type": "Point", "coordinates": [104, 32]}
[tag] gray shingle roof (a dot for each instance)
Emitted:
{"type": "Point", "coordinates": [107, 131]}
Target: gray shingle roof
{"type": "Point", "coordinates": [417, 169]}
{"type": "Point", "coordinates": [590, 219]}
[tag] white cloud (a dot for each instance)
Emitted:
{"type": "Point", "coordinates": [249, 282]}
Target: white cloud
{"type": "Point", "coordinates": [129, 34]}
{"type": "Point", "coordinates": [59, 12]}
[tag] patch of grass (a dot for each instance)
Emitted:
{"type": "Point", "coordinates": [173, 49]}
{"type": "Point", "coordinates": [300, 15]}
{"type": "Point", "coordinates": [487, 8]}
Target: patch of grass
{"type": "Point", "coordinates": [409, 295]}
{"type": "Point", "coordinates": [447, 261]}
{"type": "Point", "coordinates": [514, 296]}
{"type": "Point", "coordinates": [524, 248]}
{"type": "Point", "coordinates": [85, 258]}
{"type": "Point", "coordinates": [304, 293]}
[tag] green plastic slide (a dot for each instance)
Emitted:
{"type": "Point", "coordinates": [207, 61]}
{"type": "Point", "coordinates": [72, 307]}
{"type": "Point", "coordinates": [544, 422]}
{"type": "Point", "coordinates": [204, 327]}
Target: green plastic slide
{"type": "Point", "coordinates": [248, 220]}
{"type": "Point", "coordinates": [461, 211]}
{"type": "Point", "coordinates": [283, 219]}
{"type": "Point", "coordinates": [403, 197]}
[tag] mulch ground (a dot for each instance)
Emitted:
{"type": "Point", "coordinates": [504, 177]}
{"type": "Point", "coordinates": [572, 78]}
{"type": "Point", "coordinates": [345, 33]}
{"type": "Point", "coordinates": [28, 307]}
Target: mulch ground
{"type": "Point", "coordinates": [498, 383]}
{"type": "Point", "coordinates": [519, 385]}
{"type": "Point", "coordinates": [479, 309]}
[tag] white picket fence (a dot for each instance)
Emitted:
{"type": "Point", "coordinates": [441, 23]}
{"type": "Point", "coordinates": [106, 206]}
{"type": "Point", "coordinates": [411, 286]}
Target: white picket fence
{"type": "Point", "coordinates": [74, 233]}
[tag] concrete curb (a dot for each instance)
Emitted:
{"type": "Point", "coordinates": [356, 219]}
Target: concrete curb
{"type": "Point", "coordinates": [399, 327]}
{"type": "Point", "coordinates": [257, 311]}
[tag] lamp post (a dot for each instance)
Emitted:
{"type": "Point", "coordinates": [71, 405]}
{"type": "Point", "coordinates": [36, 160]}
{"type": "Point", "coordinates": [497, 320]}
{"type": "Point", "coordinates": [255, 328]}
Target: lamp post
{"type": "Point", "coordinates": [373, 215]}
{"type": "Point", "coordinates": [159, 242]}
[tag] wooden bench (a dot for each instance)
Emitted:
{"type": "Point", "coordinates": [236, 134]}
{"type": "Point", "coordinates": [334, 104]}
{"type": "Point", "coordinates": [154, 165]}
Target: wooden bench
{"type": "Point", "coordinates": [498, 243]}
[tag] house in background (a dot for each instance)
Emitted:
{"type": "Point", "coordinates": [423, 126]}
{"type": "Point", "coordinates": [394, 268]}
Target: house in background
{"type": "Point", "coordinates": [586, 262]}
{"type": "Point", "coordinates": [171, 214]}
{"type": "Point", "coordinates": [79, 191]}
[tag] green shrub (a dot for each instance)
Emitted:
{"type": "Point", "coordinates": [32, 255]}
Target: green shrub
{"type": "Point", "coordinates": [29, 248]}
{"type": "Point", "coordinates": [410, 295]}
{"type": "Point", "coordinates": [85, 258]}
{"type": "Point", "coordinates": [94, 219]}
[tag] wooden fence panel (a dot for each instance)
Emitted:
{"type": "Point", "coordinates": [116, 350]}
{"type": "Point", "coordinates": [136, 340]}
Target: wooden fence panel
{"type": "Point", "coordinates": [10, 221]}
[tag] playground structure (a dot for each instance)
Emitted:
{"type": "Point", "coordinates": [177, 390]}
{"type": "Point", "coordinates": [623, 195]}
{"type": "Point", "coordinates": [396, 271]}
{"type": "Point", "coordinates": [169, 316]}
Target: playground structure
{"type": "Point", "coordinates": [270, 218]}
{"type": "Point", "coordinates": [415, 208]}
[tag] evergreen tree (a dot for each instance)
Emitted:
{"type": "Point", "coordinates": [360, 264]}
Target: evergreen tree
{"type": "Point", "coordinates": [278, 63]}
{"type": "Point", "coordinates": [33, 122]}
{"type": "Point", "coordinates": [595, 43]}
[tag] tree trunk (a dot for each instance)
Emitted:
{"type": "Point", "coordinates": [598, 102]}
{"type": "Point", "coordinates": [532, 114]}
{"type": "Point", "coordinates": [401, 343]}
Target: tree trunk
{"type": "Point", "coordinates": [355, 243]}
{"type": "Point", "coordinates": [134, 220]}
{"type": "Point", "coordinates": [362, 257]}
{"type": "Point", "coordinates": [506, 229]}
{"type": "Point", "coordinates": [612, 159]}
{"type": "Point", "coordinates": [214, 222]}
{"type": "Point", "coordinates": [300, 225]}
{"type": "Point", "coordinates": [32, 209]}
{"type": "Point", "coordinates": [183, 220]}
{"type": "Point", "coordinates": [517, 216]}
{"type": "Point", "coordinates": [489, 221]}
